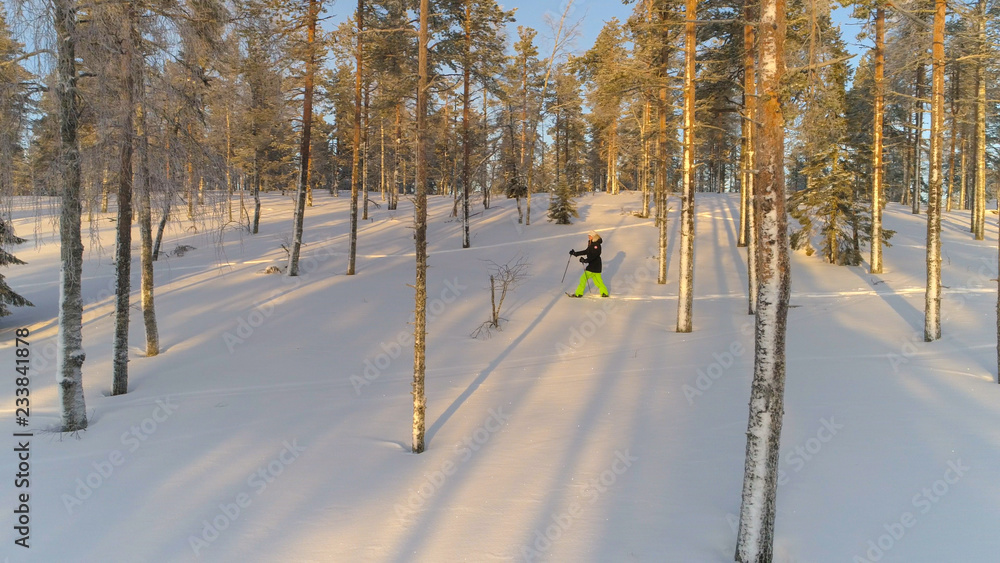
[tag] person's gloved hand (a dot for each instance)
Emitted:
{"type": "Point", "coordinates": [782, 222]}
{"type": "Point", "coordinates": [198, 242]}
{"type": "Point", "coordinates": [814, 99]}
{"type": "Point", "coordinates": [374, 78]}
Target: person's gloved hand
{"type": "Point", "coordinates": [572, 253]}
{"type": "Point", "coordinates": [583, 260]}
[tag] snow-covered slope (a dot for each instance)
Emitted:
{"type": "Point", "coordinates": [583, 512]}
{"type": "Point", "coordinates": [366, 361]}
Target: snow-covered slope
{"type": "Point", "coordinates": [275, 424]}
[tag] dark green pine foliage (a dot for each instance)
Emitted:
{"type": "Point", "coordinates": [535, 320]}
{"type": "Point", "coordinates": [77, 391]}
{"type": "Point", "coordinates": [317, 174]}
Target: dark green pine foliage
{"type": "Point", "coordinates": [829, 197]}
{"type": "Point", "coordinates": [8, 297]}
{"type": "Point", "coordinates": [561, 206]}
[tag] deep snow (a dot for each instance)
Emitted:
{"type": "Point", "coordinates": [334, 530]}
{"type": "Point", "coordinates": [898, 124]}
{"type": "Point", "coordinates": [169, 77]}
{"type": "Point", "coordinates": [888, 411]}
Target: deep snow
{"type": "Point", "coordinates": [275, 424]}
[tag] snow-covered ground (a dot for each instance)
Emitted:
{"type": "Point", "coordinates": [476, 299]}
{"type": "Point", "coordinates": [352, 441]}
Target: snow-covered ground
{"type": "Point", "coordinates": [275, 424]}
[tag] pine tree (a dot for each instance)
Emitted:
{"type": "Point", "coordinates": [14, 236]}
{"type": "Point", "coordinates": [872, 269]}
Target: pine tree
{"type": "Point", "coordinates": [9, 297]}
{"type": "Point", "coordinates": [561, 206]}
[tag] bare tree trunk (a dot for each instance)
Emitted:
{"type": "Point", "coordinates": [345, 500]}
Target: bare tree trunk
{"type": "Point", "coordinates": [69, 368]}
{"type": "Point", "coordinates": [381, 146]}
{"type": "Point", "coordinates": [954, 137]}
{"type": "Point", "coordinates": [661, 180]}
{"type": "Point", "coordinates": [755, 541]}
{"type": "Point", "coordinates": [123, 237]}
{"type": "Point", "coordinates": [229, 167]}
{"type": "Point", "coordinates": [420, 237]}
{"type": "Point", "coordinates": [145, 206]}
{"type": "Point", "coordinates": [750, 88]}
{"type": "Point", "coordinates": [466, 138]}
{"type": "Point", "coordinates": [918, 137]}
{"type": "Point", "coordinates": [979, 205]}
{"type": "Point", "coordinates": [300, 200]}
{"type": "Point", "coordinates": [644, 134]}
{"type": "Point", "coordinates": [355, 158]}
{"type": "Point", "coordinates": [190, 177]}
{"type": "Point", "coordinates": [364, 159]}
{"type": "Point", "coordinates": [685, 297]}
{"type": "Point", "coordinates": [932, 296]}
{"type": "Point", "coordinates": [875, 262]}
{"type": "Point", "coordinates": [963, 170]}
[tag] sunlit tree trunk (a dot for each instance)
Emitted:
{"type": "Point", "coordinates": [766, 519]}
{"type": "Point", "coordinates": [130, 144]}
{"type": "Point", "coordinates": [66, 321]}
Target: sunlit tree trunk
{"type": "Point", "coordinates": [661, 183]}
{"type": "Point", "coordinates": [979, 201]}
{"type": "Point", "coordinates": [875, 262]}
{"type": "Point", "coordinates": [750, 175]}
{"type": "Point", "coordinates": [685, 297]}
{"type": "Point", "coordinates": [932, 296]}
{"type": "Point", "coordinates": [755, 541]}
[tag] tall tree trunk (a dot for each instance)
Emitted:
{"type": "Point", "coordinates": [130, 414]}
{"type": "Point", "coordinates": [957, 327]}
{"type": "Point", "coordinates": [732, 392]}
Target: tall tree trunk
{"type": "Point", "coordinates": [420, 238]}
{"type": "Point", "coordinates": [685, 297]}
{"type": "Point", "coordinates": [918, 138]}
{"type": "Point", "coordinates": [355, 158]}
{"type": "Point", "coordinates": [760, 481]}
{"type": "Point", "coordinates": [146, 256]}
{"type": "Point", "coordinates": [69, 364]}
{"type": "Point", "coordinates": [647, 111]}
{"type": "Point", "coordinates": [979, 204]}
{"type": "Point", "coordinates": [190, 176]}
{"type": "Point", "coordinates": [466, 137]}
{"type": "Point", "coordinates": [396, 161]}
{"type": "Point", "coordinates": [875, 262]}
{"type": "Point", "coordinates": [123, 236]}
{"type": "Point", "coordinates": [661, 180]}
{"type": "Point", "coordinates": [364, 157]}
{"type": "Point", "coordinates": [750, 89]}
{"type": "Point", "coordinates": [381, 146]}
{"type": "Point", "coordinates": [932, 296]}
{"type": "Point", "coordinates": [952, 109]}
{"type": "Point", "coordinates": [300, 199]}
{"type": "Point", "coordinates": [229, 166]}
{"type": "Point", "coordinates": [963, 170]}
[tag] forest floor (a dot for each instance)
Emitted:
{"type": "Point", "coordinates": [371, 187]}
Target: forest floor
{"type": "Point", "coordinates": [275, 423]}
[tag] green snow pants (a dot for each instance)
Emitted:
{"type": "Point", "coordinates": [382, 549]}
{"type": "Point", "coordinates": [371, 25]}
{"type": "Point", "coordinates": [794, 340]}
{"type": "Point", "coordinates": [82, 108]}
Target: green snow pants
{"type": "Point", "coordinates": [598, 283]}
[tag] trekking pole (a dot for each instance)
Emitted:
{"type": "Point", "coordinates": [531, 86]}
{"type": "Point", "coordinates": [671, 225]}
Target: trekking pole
{"type": "Point", "coordinates": [566, 270]}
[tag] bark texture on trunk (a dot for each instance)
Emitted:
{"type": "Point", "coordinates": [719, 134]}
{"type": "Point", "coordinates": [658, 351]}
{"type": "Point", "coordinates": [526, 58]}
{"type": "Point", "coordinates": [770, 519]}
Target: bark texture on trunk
{"type": "Point", "coordinates": [420, 239]}
{"type": "Point", "coordinates": [875, 261]}
{"type": "Point", "coordinates": [932, 296]}
{"type": "Point", "coordinates": [755, 541]}
{"type": "Point", "coordinates": [69, 368]}
{"type": "Point", "coordinates": [304, 146]}
{"type": "Point", "coordinates": [685, 297]}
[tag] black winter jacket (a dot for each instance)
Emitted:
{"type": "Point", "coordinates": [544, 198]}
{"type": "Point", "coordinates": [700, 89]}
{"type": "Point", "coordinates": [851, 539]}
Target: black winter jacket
{"type": "Point", "coordinates": [592, 256]}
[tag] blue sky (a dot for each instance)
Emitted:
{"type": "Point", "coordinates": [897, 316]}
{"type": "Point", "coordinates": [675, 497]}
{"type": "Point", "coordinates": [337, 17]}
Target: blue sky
{"type": "Point", "coordinates": [590, 14]}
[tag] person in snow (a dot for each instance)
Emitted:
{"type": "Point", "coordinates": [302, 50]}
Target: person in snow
{"type": "Point", "coordinates": [592, 258]}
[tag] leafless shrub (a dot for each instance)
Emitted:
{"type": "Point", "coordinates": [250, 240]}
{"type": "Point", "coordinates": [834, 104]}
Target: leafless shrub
{"type": "Point", "coordinates": [503, 278]}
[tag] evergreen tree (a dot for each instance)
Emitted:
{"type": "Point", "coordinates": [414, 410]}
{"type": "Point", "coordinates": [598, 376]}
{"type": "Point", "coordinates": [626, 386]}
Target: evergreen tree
{"type": "Point", "coordinates": [561, 206]}
{"type": "Point", "coordinates": [9, 297]}
{"type": "Point", "coordinates": [830, 205]}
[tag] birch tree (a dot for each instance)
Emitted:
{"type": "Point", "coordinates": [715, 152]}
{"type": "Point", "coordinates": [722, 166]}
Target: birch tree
{"type": "Point", "coordinates": [685, 295]}
{"type": "Point", "coordinates": [755, 541]}
{"type": "Point", "coordinates": [932, 296]}
{"type": "Point", "coordinates": [69, 362]}
{"type": "Point", "coordinates": [749, 168]}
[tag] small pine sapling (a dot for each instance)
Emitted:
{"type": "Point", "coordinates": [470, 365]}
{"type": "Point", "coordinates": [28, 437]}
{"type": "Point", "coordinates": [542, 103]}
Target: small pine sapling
{"type": "Point", "coordinates": [561, 207]}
